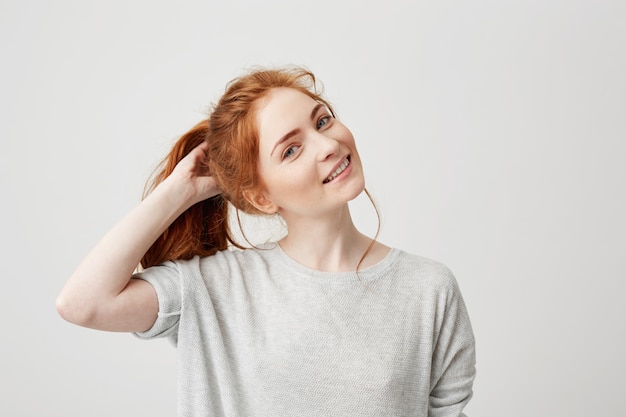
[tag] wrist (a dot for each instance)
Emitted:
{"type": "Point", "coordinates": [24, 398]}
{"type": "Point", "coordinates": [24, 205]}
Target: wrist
{"type": "Point", "coordinates": [173, 195]}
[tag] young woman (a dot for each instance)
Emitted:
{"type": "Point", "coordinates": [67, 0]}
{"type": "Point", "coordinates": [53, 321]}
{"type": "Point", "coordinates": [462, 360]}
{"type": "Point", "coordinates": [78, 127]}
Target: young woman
{"type": "Point", "coordinates": [324, 322]}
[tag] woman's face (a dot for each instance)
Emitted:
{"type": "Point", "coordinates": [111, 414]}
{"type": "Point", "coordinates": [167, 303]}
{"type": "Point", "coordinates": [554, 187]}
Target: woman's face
{"type": "Point", "coordinates": [308, 163]}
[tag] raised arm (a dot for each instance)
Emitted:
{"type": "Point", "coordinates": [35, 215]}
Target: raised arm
{"type": "Point", "coordinates": [100, 294]}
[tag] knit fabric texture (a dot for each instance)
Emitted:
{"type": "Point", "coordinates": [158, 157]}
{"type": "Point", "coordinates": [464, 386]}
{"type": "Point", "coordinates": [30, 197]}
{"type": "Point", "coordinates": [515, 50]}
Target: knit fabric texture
{"type": "Point", "coordinates": [259, 334]}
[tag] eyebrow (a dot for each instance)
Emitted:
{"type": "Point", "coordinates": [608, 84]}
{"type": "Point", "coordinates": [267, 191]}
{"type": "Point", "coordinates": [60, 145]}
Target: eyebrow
{"type": "Point", "coordinates": [294, 132]}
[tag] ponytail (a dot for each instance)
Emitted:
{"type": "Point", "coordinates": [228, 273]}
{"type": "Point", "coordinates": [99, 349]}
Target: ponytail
{"type": "Point", "coordinates": [200, 230]}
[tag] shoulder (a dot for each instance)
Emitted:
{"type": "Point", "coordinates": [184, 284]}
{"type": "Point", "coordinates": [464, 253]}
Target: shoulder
{"type": "Point", "coordinates": [229, 262]}
{"type": "Point", "coordinates": [232, 258]}
{"type": "Point", "coordinates": [425, 272]}
{"type": "Point", "coordinates": [239, 259]}
{"type": "Point", "coordinates": [225, 268]}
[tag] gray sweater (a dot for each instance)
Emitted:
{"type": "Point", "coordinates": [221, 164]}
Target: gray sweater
{"type": "Point", "coordinates": [259, 334]}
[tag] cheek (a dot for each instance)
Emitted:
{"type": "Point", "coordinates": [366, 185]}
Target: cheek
{"type": "Point", "coordinates": [346, 134]}
{"type": "Point", "coordinates": [291, 183]}
{"type": "Point", "coordinates": [299, 180]}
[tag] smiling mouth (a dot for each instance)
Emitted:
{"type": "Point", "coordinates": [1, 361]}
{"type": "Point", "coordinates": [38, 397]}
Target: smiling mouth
{"type": "Point", "coordinates": [338, 171]}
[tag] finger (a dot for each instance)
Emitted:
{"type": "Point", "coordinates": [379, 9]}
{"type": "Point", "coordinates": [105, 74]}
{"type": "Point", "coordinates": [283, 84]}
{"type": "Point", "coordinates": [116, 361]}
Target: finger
{"type": "Point", "coordinates": [194, 160]}
{"type": "Point", "coordinates": [200, 151]}
{"type": "Point", "coordinates": [209, 187]}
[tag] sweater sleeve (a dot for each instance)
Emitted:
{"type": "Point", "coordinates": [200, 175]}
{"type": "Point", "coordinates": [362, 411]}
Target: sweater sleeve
{"type": "Point", "coordinates": [166, 281]}
{"type": "Point", "coordinates": [454, 358]}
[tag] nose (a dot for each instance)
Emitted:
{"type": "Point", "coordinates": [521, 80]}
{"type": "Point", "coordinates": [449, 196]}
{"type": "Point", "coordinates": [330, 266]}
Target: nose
{"type": "Point", "coordinates": [327, 147]}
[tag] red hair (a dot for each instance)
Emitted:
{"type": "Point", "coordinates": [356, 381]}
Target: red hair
{"type": "Point", "coordinates": [232, 136]}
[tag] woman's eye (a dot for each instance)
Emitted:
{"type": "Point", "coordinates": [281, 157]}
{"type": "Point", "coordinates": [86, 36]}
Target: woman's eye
{"type": "Point", "coordinates": [323, 122]}
{"type": "Point", "coordinates": [290, 151]}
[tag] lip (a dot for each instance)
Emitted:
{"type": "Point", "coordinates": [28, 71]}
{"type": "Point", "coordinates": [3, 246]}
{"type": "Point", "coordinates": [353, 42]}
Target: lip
{"type": "Point", "coordinates": [345, 171]}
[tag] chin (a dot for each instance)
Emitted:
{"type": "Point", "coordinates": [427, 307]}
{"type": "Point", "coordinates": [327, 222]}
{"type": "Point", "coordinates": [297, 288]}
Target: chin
{"type": "Point", "coordinates": [358, 189]}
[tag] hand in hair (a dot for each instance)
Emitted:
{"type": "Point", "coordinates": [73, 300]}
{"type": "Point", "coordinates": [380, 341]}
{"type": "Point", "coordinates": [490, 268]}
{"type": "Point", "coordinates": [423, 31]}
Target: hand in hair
{"type": "Point", "coordinates": [101, 294]}
{"type": "Point", "coordinates": [191, 176]}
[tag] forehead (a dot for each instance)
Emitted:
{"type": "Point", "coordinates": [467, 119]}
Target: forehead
{"type": "Point", "coordinates": [281, 111]}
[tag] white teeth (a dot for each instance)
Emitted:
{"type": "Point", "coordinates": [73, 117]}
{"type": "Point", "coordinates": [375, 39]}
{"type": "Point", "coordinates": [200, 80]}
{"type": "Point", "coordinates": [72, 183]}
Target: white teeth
{"type": "Point", "coordinates": [338, 171]}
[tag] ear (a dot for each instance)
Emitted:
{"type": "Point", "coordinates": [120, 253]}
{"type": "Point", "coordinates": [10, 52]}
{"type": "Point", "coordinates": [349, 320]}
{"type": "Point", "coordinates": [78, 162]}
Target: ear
{"type": "Point", "coordinates": [260, 201]}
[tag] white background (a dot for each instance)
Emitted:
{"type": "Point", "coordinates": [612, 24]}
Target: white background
{"type": "Point", "coordinates": [493, 138]}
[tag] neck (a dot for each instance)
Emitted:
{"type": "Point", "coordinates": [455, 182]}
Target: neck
{"type": "Point", "coordinates": [331, 243]}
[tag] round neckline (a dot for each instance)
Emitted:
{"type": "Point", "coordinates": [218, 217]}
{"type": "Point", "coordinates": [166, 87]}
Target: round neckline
{"type": "Point", "coordinates": [371, 272]}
